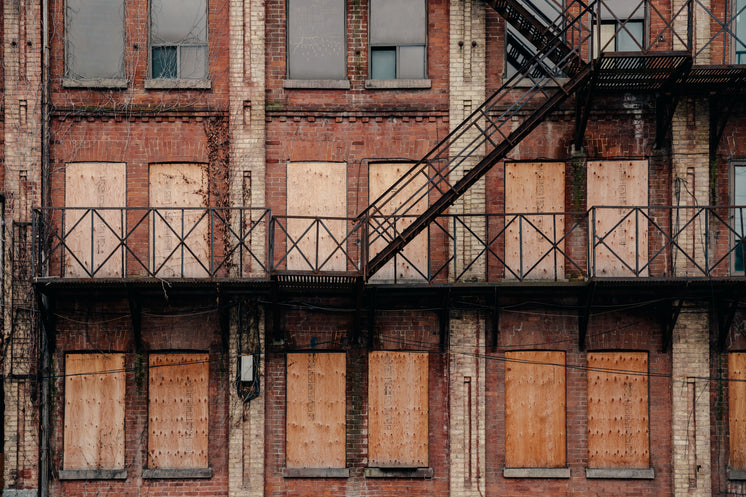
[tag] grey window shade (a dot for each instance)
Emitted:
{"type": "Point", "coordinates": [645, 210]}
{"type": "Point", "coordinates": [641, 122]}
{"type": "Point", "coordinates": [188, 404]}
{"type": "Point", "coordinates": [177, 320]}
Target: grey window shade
{"type": "Point", "coordinates": [94, 39]}
{"type": "Point", "coordinates": [316, 39]}
{"type": "Point", "coordinates": [398, 22]}
{"type": "Point", "coordinates": [623, 9]}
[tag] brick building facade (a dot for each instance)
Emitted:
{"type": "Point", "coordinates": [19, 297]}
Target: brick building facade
{"type": "Point", "coordinates": [452, 248]}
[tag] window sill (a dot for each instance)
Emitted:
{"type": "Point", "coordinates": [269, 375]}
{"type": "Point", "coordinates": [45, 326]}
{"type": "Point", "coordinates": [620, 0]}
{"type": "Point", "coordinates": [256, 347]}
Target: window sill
{"type": "Point", "coordinates": [736, 474]}
{"type": "Point", "coordinates": [398, 84]}
{"type": "Point", "coordinates": [316, 84]}
{"type": "Point", "coordinates": [178, 84]}
{"type": "Point", "coordinates": [168, 474]}
{"type": "Point", "coordinates": [421, 473]}
{"type": "Point", "coordinates": [620, 473]}
{"type": "Point", "coordinates": [536, 472]}
{"type": "Point", "coordinates": [315, 473]}
{"type": "Point", "coordinates": [115, 84]}
{"type": "Point", "coordinates": [92, 474]}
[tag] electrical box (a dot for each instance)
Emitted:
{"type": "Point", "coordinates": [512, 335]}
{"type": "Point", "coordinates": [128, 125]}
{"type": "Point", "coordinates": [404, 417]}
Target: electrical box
{"type": "Point", "coordinates": [247, 368]}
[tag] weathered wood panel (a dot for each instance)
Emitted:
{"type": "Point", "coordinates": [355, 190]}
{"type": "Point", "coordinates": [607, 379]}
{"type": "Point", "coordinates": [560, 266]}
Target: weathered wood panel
{"type": "Point", "coordinates": [315, 410]}
{"type": "Point", "coordinates": [91, 238]}
{"type": "Point", "coordinates": [535, 430]}
{"type": "Point", "coordinates": [618, 435]}
{"type": "Point", "coordinates": [737, 410]}
{"type": "Point", "coordinates": [411, 262]}
{"type": "Point", "coordinates": [178, 411]}
{"type": "Point", "coordinates": [181, 246]}
{"type": "Point", "coordinates": [398, 409]}
{"type": "Point", "coordinates": [317, 189]}
{"type": "Point", "coordinates": [534, 187]}
{"type": "Point", "coordinates": [94, 411]}
{"type": "Point", "coordinates": [624, 234]}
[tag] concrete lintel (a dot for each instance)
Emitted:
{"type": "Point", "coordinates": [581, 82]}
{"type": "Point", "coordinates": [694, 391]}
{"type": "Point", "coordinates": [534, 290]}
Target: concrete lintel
{"type": "Point", "coordinates": [536, 472]}
{"type": "Point", "coordinates": [424, 473]}
{"type": "Point", "coordinates": [736, 474]}
{"type": "Point", "coordinates": [178, 84]}
{"type": "Point", "coordinates": [620, 473]}
{"type": "Point", "coordinates": [12, 492]}
{"type": "Point", "coordinates": [315, 472]}
{"type": "Point", "coordinates": [93, 474]}
{"type": "Point", "coordinates": [398, 84]}
{"type": "Point", "coordinates": [103, 83]}
{"type": "Point", "coordinates": [169, 474]}
{"type": "Point", "coordinates": [316, 84]}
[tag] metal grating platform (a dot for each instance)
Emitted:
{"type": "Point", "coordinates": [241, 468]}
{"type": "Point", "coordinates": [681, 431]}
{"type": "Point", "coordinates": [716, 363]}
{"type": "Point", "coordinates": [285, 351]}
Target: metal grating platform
{"type": "Point", "coordinates": [626, 71]}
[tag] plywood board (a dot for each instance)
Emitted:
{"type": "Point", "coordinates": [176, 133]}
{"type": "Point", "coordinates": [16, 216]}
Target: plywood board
{"type": "Point", "coordinates": [618, 435]}
{"type": "Point", "coordinates": [625, 237]}
{"type": "Point", "coordinates": [737, 410]}
{"type": "Point", "coordinates": [315, 436]}
{"type": "Point", "coordinates": [411, 262]}
{"type": "Point", "coordinates": [317, 189]}
{"type": "Point", "coordinates": [178, 411]}
{"type": "Point", "coordinates": [94, 411]}
{"type": "Point", "coordinates": [535, 431]}
{"type": "Point", "coordinates": [172, 188]}
{"type": "Point", "coordinates": [92, 237]}
{"type": "Point", "coordinates": [398, 409]}
{"type": "Point", "coordinates": [534, 187]}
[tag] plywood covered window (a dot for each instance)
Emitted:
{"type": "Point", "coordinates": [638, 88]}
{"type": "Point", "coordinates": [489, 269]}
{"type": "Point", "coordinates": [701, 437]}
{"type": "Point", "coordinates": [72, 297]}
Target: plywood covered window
{"type": "Point", "coordinates": [398, 409]}
{"type": "Point", "coordinates": [620, 233]}
{"type": "Point", "coordinates": [618, 433]}
{"type": "Point", "coordinates": [411, 261]}
{"type": "Point", "coordinates": [315, 410]}
{"type": "Point", "coordinates": [317, 189]}
{"type": "Point", "coordinates": [94, 412]}
{"type": "Point", "coordinates": [534, 188]}
{"type": "Point", "coordinates": [535, 431]}
{"type": "Point", "coordinates": [737, 410]}
{"type": "Point", "coordinates": [178, 411]}
{"type": "Point", "coordinates": [95, 192]}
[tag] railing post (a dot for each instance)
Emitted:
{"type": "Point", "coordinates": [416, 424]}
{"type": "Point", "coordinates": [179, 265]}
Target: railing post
{"type": "Point", "coordinates": [592, 243]}
{"type": "Point", "coordinates": [34, 238]}
{"type": "Point", "coordinates": [520, 247]}
{"type": "Point", "coordinates": [93, 244]}
{"type": "Point", "coordinates": [708, 269]}
{"type": "Point", "coordinates": [212, 241]}
{"type": "Point", "coordinates": [637, 241]}
{"type": "Point", "coordinates": [554, 244]}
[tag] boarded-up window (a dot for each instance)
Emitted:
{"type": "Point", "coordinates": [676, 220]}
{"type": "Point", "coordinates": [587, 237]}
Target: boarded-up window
{"type": "Point", "coordinates": [177, 411]}
{"type": "Point", "coordinates": [92, 230]}
{"type": "Point", "coordinates": [737, 410]}
{"type": "Point", "coordinates": [533, 188]}
{"type": "Point", "coordinates": [316, 39]}
{"type": "Point", "coordinates": [317, 189]}
{"type": "Point", "coordinates": [411, 262]}
{"type": "Point", "coordinates": [620, 235]}
{"type": "Point", "coordinates": [535, 431]}
{"type": "Point", "coordinates": [180, 225]}
{"type": "Point", "coordinates": [94, 411]}
{"type": "Point", "coordinates": [618, 410]}
{"type": "Point", "coordinates": [315, 410]}
{"type": "Point", "coordinates": [398, 409]}
{"type": "Point", "coordinates": [94, 39]}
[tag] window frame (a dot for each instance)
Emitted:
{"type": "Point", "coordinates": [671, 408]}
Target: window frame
{"type": "Point", "coordinates": [620, 28]}
{"type": "Point", "coordinates": [372, 47]}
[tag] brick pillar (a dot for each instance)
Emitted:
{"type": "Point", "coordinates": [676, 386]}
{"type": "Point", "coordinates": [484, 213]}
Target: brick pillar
{"type": "Point", "coordinates": [467, 408]}
{"type": "Point", "coordinates": [467, 92]}
{"type": "Point", "coordinates": [691, 405]}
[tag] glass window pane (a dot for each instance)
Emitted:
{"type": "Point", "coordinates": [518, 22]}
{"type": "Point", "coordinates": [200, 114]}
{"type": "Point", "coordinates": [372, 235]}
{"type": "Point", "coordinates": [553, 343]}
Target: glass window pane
{"type": "Point", "coordinates": [741, 32]}
{"type": "Point", "coordinates": [398, 22]}
{"type": "Point", "coordinates": [94, 38]}
{"type": "Point", "coordinates": [739, 199]}
{"type": "Point", "coordinates": [412, 62]}
{"type": "Point", "coordinates": [607, 37]}
{"type": "Point", "coordinates": [193, 62]}
{"type": "Point", "coordinates": [383, 63]}
{"type": "Point", "coordinates": [316, 39]}
{"type": "Point", "coordinates": [164, 62]}
{"type": "Point", "coordinates": [178, 21]}
{"type": "Point", "coordinates": [629, 38]}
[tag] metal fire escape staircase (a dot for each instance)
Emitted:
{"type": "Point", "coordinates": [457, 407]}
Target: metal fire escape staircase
{"type": "Point", "coordinates": [552, 68]}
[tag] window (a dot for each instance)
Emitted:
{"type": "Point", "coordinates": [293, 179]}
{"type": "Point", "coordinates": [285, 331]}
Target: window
{"type": "Point", "coordinates": [94, 39]}
{"type": "Point", "coordinates": [177, 412]}
{"type": "Point", "coordinates": [740, 30]}
{"type": "Point", "coordinates": [739, 227]}
{"type": "Point", "coordinates": [316, 39]}
{"type": "Point", "coordinates": [398, 409]}
{"type": "Point", "coordinates": [618, 433]}
{"type": "Point", "coordinates": [736, 410]}
{"type": "Point", "coordinates": [315, 436]}
{"type": "Point", "coordinates": [518, 50]}
{"type": "Point", "coordinates": [535, 432]}
{"type": "Point", "coordinates": [622, 26]}
{"type": "Point", "coordinates": [178, 39]}
{"type": "Point", "coordinates": [398, 39]}
{"type": "Point", "coordinates": [94, 413]}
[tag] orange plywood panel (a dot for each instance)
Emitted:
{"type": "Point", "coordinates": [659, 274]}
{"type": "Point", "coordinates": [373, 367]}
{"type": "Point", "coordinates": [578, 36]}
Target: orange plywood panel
{"type": "Point", "coordinates": [398, 409]}
{"type": "Point", "coordinates": [618, 435]}
{"type": "Point", "coordinates": [317, 189]}
{"type": "Point", "coordinates": [411, 262]}
{"type": "Point", "coordinates": [94, 411]}
{"type": "Point", "coordinates": [621, 235]}
{"type": "Point", "coordinates": [534, 188]}
{"type": "Point", "coordinates": [535, 430]}
{"type": "Point", "coordinates": [178, 411]}
{"type": "Point", "coordinates": [91, 238]}
{"type": "Point", "coordinates": [180, 244]}
{"type": "Point", "coordinates": [315, 410]}
{"type": "Point", "coordinates": [737, 409]}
